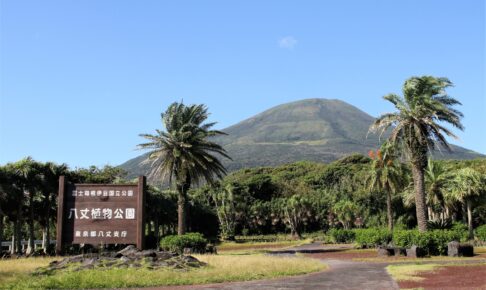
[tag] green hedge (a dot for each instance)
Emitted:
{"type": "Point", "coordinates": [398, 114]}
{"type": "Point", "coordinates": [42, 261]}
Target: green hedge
{"type": "Point", "coordinates": [372, 237]}
{"type": "Point", "coordinates": [433, 242]}
{"type": "Point", "coordinates": [175, 243]}
{"type": "Point", "coordinates": [481, 233]}
{"type": "Point", "coordinates": [341, 235]}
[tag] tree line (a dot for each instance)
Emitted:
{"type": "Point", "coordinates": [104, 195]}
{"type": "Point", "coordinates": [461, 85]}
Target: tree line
{"type": "Point", "coordinates": [298, 197]}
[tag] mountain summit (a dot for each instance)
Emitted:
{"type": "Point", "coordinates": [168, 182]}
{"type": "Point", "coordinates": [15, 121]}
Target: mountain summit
{"type": "Point", "coordinates": [313, 129]}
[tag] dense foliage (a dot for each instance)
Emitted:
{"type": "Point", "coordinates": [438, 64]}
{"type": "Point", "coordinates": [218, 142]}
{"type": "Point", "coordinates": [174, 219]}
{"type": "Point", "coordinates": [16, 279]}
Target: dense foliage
{"type": "Point", "coordinates": [177, 243]}
{"type": "Point", "coordinates": [294, 199]}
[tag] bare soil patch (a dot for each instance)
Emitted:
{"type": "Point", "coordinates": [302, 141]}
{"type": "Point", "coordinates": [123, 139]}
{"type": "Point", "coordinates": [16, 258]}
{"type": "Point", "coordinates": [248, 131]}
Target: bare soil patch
{"type": "Point", "coordinates": [450, 277]}
{"type": "Point", "coordinates": [237, 247]}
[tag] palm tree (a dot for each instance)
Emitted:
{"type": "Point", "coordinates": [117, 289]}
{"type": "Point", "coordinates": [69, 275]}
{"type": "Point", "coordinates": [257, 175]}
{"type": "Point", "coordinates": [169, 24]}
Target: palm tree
{"type": "Point", "coordinates": [49, 186]}
{"type": "Point", "coordinates": [417, 128]}
{"type": "Point", "coordinates": [467, 185]}
{"type": "Point", "coordinates": [13, 203]}
{"type": "Point", "coordinates": [386, 175]}
{"type": "Point", "coordinates": [29, 171]}
{"type": "Point", "coordinates": [184, 153]}
{"type": "Point", "coordinates": [436, 179]}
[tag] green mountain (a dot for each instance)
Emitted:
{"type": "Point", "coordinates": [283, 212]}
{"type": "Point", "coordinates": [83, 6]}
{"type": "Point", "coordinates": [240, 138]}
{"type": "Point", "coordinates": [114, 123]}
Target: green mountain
{"type": "Point", "coordinates": [314, 129]}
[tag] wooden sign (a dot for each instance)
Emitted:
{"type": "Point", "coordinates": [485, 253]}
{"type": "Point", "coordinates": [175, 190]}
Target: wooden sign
{"type": "Point", "coordinates": [100, 214]}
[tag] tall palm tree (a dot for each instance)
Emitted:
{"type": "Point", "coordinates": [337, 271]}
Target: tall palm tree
{"type": "Point", "coordinates": [29, 171]}
{"type": "Point", "coordinates": [436, 180]}
{"type": "Point", "coordinates": [49, 186]}
{"type": "Point", "coordinates": [417, 128]}
{"type": "Point", "coordinates": [386, 175]}
{"type": "Point", "coordinates": [467, 185]}
{"type": "Point", "coordinates": [184, 152]}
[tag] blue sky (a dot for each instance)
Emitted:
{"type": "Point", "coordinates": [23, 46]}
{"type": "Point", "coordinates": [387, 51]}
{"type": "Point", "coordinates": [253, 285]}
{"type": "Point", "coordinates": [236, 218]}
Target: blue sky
{"type": "Point", "coordinates": [79, 80]}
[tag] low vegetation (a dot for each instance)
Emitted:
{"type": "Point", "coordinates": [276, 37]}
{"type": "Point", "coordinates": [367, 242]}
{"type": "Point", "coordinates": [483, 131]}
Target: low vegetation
{"type": "Point", "coordinates": [17, 274]}
{"type": "Point", "coordinates": [177, 243]}
{"type": "Point", "coordinates": [409, 272]}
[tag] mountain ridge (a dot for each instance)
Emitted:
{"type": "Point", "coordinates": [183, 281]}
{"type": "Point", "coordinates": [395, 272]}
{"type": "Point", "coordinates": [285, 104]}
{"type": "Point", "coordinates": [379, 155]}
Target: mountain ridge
{"type": "Point", "coordinates": [321, 130]}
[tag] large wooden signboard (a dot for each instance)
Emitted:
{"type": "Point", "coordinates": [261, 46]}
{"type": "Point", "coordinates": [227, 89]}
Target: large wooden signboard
{"type": "Point", "coordinates": [100, 214]}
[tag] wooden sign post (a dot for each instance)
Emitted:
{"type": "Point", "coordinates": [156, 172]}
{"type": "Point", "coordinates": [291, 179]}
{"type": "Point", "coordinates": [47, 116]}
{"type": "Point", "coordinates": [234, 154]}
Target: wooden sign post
{"type": "Point", "coordinates": [100, 214]}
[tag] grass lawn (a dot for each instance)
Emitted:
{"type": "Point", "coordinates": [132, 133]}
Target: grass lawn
{"type": "Point", "coordinates": [17, 274]}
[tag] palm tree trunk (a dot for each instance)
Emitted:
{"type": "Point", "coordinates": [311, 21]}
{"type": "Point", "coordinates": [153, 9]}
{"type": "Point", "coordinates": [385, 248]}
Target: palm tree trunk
{"type": "Point", "coordinates": [156, 230]}
{"type": "Point", "coordinates": [18, 230]}
{"type": "Point", "coordinates": [419, 188]}
{"type": "Point", "coordinates": [469, 219]}
{"type": "Point", "coordinates": [14, 242]}
{"type": "Point", "coordinates": [464, 213]}
{"type": "Point", "coordinates": [44, 240]}
{"type": "Point", "coordinates": [30, 247]}
{"type": "Point", "coordinates": [389, 210]}
{"type": "Point", "coordinates": [47, 228]}
{"type": "Point", "coordinates": [1, 229]}
{"type": "Point", "coordinates": [181, 209]}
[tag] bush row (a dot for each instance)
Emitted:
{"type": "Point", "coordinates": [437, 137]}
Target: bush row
{"type": "Point", "coordinates": [434, 242]}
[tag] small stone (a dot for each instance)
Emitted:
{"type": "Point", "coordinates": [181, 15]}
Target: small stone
{"type": "Point", "coordinates": [399, 252]}
{"type": "Point", "coordinates": [415, 252]}
{"type": "Point", "coordinates": [383, 252]}
{"type": "Point", "coordinates": [127, 251]}
{"type": "Point", "coordinates": [189, 259]}
{"type": "Point", "coordinates": [453, 249]}
{"type": "Point", "coordinates": [164, 255]}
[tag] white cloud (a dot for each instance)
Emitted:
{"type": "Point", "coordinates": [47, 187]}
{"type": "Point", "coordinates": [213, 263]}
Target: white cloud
{"type": "Point", "coordinates": [287, 42]}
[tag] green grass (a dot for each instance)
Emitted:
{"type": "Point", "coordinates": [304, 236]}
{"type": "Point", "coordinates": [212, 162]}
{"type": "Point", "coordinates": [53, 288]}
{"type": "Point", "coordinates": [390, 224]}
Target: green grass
{"type": "Point", "coordinates": [220, 268]}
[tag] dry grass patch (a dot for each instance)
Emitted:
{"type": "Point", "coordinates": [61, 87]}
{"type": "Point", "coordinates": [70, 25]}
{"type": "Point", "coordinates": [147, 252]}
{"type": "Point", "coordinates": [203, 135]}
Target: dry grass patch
{"type": "Point", "coordinates": [220, 268]}
{"type": "Point", "coordinates": [12, 269]}
{"type": "Point", "coordinates": [409, 272]}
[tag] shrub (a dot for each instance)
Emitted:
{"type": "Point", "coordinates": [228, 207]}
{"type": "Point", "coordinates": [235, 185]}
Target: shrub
{"type": "Point", "coordinates": [481, 233]}
{"type": "Point", "coordinates": [461, 230]}
{"type": "Point", "coordinates": [372, 237]}
{"type": "Point", "coordinates": [433, 242]}
{"type": "Point", "coordinates": [341, 235]}
{"type": "Point", "coordinates": [176, 243]}
{"type": "Point", "coordinates": [439, 225]}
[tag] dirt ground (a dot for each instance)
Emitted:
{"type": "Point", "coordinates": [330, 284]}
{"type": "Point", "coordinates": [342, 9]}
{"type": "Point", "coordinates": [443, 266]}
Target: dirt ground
{"type": "Point", "coordinates": [342, 255]}
{"type": "Point", "coordinates": [237, 247]}
{"type": "Point", "coordinates": [451, 277]}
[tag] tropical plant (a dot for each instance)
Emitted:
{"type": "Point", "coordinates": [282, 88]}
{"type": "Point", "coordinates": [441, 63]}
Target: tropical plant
{"type": "Point", "coordinates": [417, 128]}
{"type": "Point", "coordinates": [436, 180]}
{"type": "Point", "coordinates": [49, 183]}
{"type": "Point", "coordinates": [467, 185]}
{"type": "Point", "coordinates": [386, 175]}
{"type": "Point", "coordinates": [225, 206]}
{"type": "Point", "coordinates": [29, 172]}
{"type": "Point", "coordinates": [346, 212]}
{"type": "Point", "coordinates": [184, 153]}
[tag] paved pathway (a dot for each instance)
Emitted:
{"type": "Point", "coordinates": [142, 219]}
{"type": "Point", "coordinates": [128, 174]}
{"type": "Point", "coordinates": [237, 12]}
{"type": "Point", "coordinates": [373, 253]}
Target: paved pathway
{"type": "Point", "coordinates": [341, 275]}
